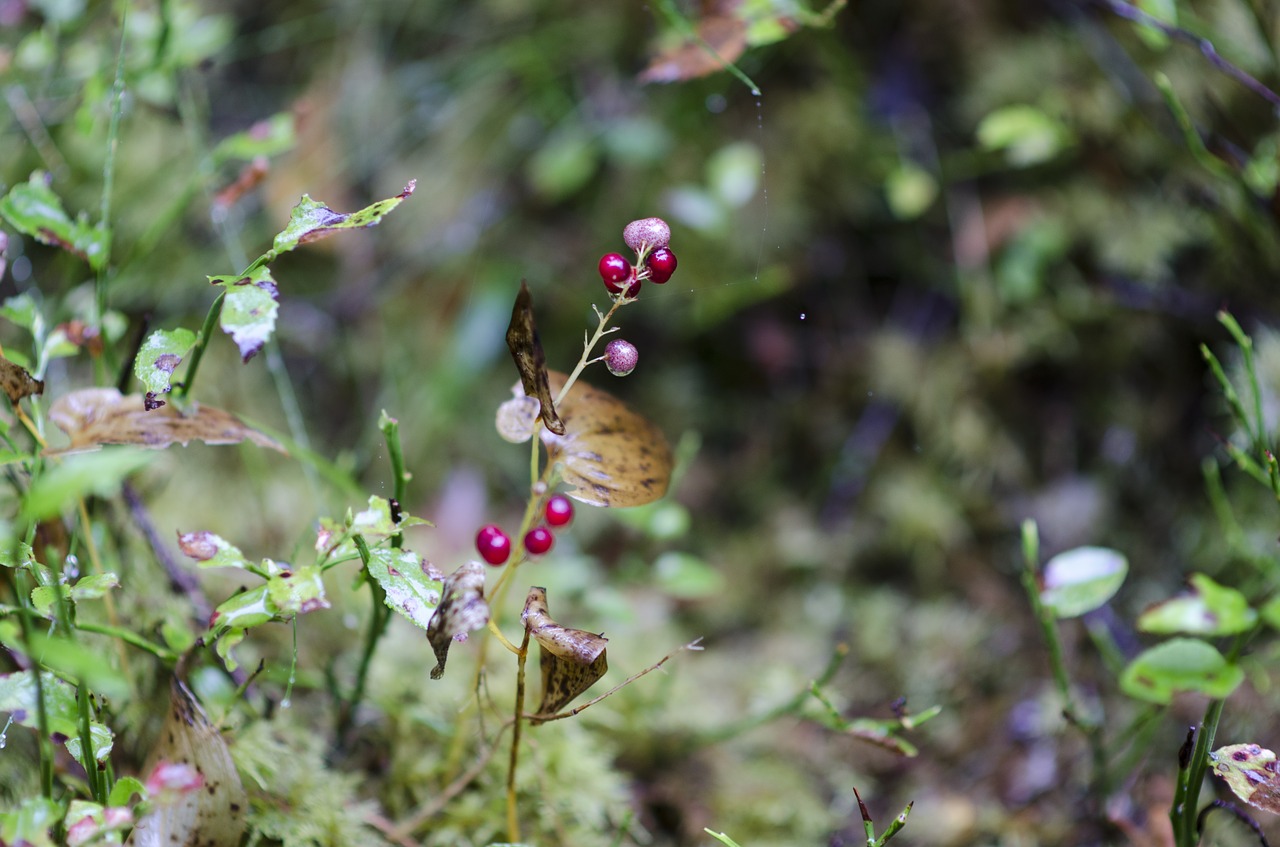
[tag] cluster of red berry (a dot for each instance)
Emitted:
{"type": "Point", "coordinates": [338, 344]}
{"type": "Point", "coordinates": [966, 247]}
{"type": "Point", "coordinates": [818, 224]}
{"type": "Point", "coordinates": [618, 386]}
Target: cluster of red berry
{"type": "Point", "coordinates": [495, 547]}
{"type": "Point", "coordinates": [655, 262]}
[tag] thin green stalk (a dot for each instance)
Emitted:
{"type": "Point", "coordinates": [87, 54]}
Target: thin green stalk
{"type": "Point", "coordinates": [42, 714]}
{"type": "Point", "coordinates": [109, 166]}
{"type": "Point", "coordinates": [93, 773]}
{"type": "Point", "coordinates": [1186, 796]}
{"type": "Point", "coordinates": [181, 391]}
{"type": "Point", "coordinates": [379, 616]}
{"type": "Point", "coordinates": [131, 638]}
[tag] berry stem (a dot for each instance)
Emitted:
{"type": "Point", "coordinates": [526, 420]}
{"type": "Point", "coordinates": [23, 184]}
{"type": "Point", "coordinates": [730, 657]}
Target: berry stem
{"type": "Point", "coordinates": [601, 331]}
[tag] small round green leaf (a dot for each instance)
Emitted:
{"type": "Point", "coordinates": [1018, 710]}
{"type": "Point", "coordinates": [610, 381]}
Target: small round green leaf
{"type": "Point", "coordinates": [1180, 664]}
{"type": "Point", "coordinates": [1081, 580]}
{"type": "Point", "coordinates": [1206, 609]}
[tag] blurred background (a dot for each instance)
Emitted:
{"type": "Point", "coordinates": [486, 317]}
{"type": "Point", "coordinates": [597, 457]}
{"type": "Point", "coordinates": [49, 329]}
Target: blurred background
{"type": "Point", "coordinates": [949, 269]}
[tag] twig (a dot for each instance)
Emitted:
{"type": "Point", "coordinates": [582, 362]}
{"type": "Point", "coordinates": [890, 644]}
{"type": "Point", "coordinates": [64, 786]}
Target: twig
{"type": "Point", "coordinates": [1205, 46]}
{"type": "Point", "coordinates": [179, 579]}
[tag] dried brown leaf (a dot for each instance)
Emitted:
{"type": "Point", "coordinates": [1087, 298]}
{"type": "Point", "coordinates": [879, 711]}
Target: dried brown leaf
{"type": "Point", "coordinates": [17, 382]}
{"type": "Point", "coordinates": [212, 815]}
{"type": "Point", "coordinates": [572, 659]}
{"type": "Point", "coordinates": [462, 610]}
{"type": "Point", "coordinates": [724, 33]}
{"type": "Point", "coordinates": [531, 362]}
{"type": "Point", "coordinates": [93, 417]}
{"type": "Point", "coordinates": [608, 453]}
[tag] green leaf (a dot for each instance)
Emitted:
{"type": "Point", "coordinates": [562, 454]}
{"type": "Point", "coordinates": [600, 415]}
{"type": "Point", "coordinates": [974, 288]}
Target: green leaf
{"type": "Point", "coordinates": [1025, 134]}
{"type": "Point", "coordinates": [158, 358]}
{"type": "Point", "coordinates": [410, 589]}
{"type": "Point", "coordinates": [271, 137]}
{"type": "Point", "coordinates": [297, 592]}
{"type": "Point", "coordinates": [21, 309]}
{"type": "Point", "coordinates": [237, 614]}
{"type": "Point", "coordinates": [212, 551]}
{"type": "Point", "coordinates": [311, 220]}
{"type": "Point", "coordinates": [124, 790]}
{"type": "Point", "coordinates": [1270, 612]}
{"type": "Point", "coordinates": [909, 190]}
{"type": "Point", "coordinates": [33, 209]}
{"type": "Point", "coordinates": [30, 822]}
{"type": "Point", "coordinates": [1080, 580]}
{"type": "Point", "coordinates": [249, 311]}
{"type": "Point", "coordinates": [91, 587]}
{"type": "Point", "coordinates": [1180, 664]}
{"type": "Point", "coordinates": [79, 476]}
{"type": "Point", "coordinates": [565, 163]}
{"type": "Point", "coordinates": [1206, 609]}
{"type": "Point", "coordinates": [18, 697]}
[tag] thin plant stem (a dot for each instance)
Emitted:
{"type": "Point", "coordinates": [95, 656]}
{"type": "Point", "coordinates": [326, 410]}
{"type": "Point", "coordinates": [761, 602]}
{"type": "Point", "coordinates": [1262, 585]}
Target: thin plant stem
{"type": "Point", "coordinates": [131, 638]}
{"type": "Point", "coordinates": [109, 166]}
{"type": "Point", "coordinates": [379, 616]}
{"type": "Point", "coordinates": [181, 391]}
{"type": "Point", "coordinates": [1187, 794]}
{"type": "Point", "coordinates": [601, 332]}
{"type": "Point", "coordinates": [108, 601]}
{"type": "Point", "coordinates": [513, 819]}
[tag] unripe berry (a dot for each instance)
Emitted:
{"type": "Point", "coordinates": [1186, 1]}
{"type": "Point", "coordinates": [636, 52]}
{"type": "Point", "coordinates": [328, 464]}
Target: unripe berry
{"type": "Point", "coordinates": [559, 510]}
{"type": "Point", "coordinates": [538, 540]}
{"type": "Point", "coordinates": [651, 231]}
{"type": "Point", "coordinates": [492, 544]}
{"type": "Point", "coordinates": [662, 264]}
{"type": "Point", "coordinates": [616, 272]}
{"type": "Point", "coordinates": [620, 357]}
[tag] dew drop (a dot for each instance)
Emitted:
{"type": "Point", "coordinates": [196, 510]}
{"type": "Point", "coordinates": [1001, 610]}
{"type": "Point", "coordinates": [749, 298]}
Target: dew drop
{"type": "Point", "coordinates": [803, 316]}
{"type": "Point", "coordinates": [286, 703]}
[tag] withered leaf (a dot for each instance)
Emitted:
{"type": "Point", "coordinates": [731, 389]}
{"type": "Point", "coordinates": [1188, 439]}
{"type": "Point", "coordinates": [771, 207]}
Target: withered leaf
{"type": "Point", "coordinates": [210, 813]}
{"type": "Point", "coordinates": [531, 361]}
{"type": "Point", "coordinates": [572, 659]}
{"type": "Point", "coordinates": [93, 417]}
{"type": "Point", "coordinates": [462, 610]}
{"type": "Point", "coordinates": [17, 382]}
{"type": "Point", "coordinates": [608, 453]}
{"type": "Point", "coordinates": [724, 33]}
{"type": "Point", "coordinates": [1251, 772]}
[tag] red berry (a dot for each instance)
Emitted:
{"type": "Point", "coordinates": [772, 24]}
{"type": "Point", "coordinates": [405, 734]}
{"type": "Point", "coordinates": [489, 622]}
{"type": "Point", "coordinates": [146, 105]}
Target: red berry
{"type": "Point", "coordinates": [538, 540]}
{"type": "Point", "coordinates": [559, 510]}
{"type": "Point", "coordinates": [615, 271]}
{"type": "Point", "coordinates": [493, 544]}
{"type": "Point", "coordinates": [633, 290]}
{"type": "Point", "coordinates": [662, 264]}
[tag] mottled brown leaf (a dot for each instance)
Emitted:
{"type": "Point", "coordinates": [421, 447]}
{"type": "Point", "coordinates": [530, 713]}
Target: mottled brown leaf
{"type": "Point", "coordinates": [209, 813]}
{"type": "Point", "coordinates": [93, 417]}
{"type": "Point", "coordinates": [462, 610]}
{"type": "Point", "coordinates": [725, 34]}
{"type": "Point", "coordinates": [17, 382]}
{"type": "Point", "coordinates": [531, 362]}
{"type": "Point", "coordinates": [1251, 772]}
{"type": "Point", "coordinates": [609, 454]}
{"type": "Point", "coordinates": [572, 659]}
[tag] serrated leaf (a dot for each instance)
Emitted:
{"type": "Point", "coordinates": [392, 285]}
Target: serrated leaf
{"type": "Point", "coordinates": [35, 210]}
{"type": "Point", "coordinates": [210, 809]}
{"type": "Point", "coordinates": [249, 310]}
{"type": "Point", "coordinates": [1081, 580]}
{"type": "Point", "coordinates": [93, 417]}
{"type": "Point", "coordinates": [158, 357]}
{"type": "Point", "coordinates": [1180, 664]}
{"type": "Point", "coordinates": [312, 220]}
{"type": "Point", "coordinates": [80, 476]}
{"type": "Point", "coordinates": [410, 589]}
{"type": "Point", "coordinates": [531, 361]}
{"type": "Point", "coordinates": [1251, 772]}
{"type": "Point", "coordinates": [572, 659]}
{"type": "Point", "coordinates": [609, 455]}
{"type": "Point", "coordinates": [462, 610]}
{"type": "Point", "coordinates": [270, 137]}
{"type": "Point", "coordinates": [1207, 608]}
{"type": "Point", "coordinates": [18, 698]}
{"type": "Point", "coordinates": [211, 550]}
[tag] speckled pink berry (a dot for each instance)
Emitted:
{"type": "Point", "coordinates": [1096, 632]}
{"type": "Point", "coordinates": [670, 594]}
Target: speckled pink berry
{"type": "Point", "coordinates": [620, 357]}
{"type": "Point", "coordinates": [651, 231]}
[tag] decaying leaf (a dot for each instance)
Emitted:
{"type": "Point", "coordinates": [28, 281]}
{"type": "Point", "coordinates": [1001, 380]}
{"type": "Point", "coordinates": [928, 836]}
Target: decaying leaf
{"type": "Point", "coordinates": [572, 660]}
{"type": "Point", "coordinates": [93, 417]}
{"type": "Point", "coordinates": [157, 359]}
{"type": "Point", "coordinates": [531, 362]}
{"type": "Point", "coordinates": [199, 799]}
{"type": "Point", "coordinates": [608, 453]}
{"type": "Point", "coordinates": [249, 312]}
{"type": "Point", "coordinates": [1251, 772]}
{"type": "Point", "coordinates": [312, 220]}
{"type": "Point", "coordinates": [17, 382]}
{"type": "Point", "coordinates": [462, 610]}
{"type": "Point", "coordinates": [724, 38]}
